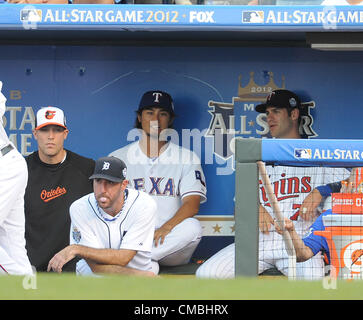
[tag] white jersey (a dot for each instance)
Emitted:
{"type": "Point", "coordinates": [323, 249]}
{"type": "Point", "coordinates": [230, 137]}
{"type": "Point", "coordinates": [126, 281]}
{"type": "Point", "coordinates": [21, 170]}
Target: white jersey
{"type": "Point", "coordinates": [4, 140]}
{"type": "Point", "coordinates": [132, 228]}
{"type": "Point", "coordinates": [291, 185]}
{"type": "Point", "coordinates": [13, 180]}
{"type": "Point", "coordinates": [175, 174]}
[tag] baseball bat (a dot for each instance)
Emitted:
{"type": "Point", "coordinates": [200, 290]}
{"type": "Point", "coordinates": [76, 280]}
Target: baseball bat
{"type": "Point", "coordinates": [279, 219]}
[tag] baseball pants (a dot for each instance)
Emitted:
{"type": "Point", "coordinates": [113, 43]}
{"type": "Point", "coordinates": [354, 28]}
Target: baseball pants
{"type": "Point", "coordinates": [222, 265]}
{"type": "Point", "coordinates": [179, 244]}
{"type": "Point", "coordinates": [13, 181]}
{"type": "Point", "coordinates": [177, 249]}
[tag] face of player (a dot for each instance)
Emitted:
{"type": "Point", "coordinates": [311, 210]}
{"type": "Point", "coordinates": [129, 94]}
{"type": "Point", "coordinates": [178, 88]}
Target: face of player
{"type": "Point", "coordinates": [109, 195]}
{"type": "Point", "coordinates": [154, 120]}
{"type": "Point", "coordinates": [281, 124]}
{"type": "Point", "coordinates": [50, 143]}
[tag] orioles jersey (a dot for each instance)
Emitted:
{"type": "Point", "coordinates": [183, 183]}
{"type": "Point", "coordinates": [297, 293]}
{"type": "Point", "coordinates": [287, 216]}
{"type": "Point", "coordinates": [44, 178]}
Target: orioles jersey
{"type": "Point", "coordinates": [50, 191]}
{"type": "Point", "coordinates": [175, 174]}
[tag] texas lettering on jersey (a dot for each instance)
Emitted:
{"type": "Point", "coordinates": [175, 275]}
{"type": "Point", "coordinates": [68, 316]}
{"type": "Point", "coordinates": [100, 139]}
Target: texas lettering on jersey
{"type": "Point", "coordinates": [157, 187]}
{"type": "Point", "coordinates": [288, 188]}
{"type": "Point", "coordinates": [161, 186]}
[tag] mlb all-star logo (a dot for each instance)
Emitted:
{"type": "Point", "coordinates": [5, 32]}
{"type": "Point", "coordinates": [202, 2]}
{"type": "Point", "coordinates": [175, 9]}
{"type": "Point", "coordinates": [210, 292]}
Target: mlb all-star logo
{"type": "Point", "coordinates": [231, 120]}
{"type": "Point", "coordinates": [239, 118]}
{"type": "Point", "coordinates": [76, 234]}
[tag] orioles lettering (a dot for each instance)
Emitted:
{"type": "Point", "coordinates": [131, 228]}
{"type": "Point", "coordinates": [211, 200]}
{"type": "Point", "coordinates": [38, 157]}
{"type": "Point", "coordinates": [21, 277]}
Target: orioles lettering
{"type": "Point", "coordinates": [52, 194]}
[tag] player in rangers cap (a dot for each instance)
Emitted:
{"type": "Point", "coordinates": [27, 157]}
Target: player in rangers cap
{"type": "Point", "coordinates": [171, 174]}
{"type": "Point", "coordinates": [112, 228]}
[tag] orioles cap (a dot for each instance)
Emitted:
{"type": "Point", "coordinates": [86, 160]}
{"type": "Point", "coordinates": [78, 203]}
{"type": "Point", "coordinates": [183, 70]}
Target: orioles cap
{"type": "Point", "coordinates": [50, 116]}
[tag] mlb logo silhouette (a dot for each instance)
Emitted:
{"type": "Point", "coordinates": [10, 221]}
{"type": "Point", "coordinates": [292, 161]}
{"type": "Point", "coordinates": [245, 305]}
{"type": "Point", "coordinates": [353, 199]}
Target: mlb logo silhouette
{"type": "Point", "coordinates": [302, 153]}
{"type": "Point", "coordinates": [31, 15]}
{"type": "Point", "coordinates": [252, 16]}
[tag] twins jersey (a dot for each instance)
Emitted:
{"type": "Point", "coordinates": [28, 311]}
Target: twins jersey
{"type": "Point", "coordinates": [291, 185]}
{"type": "Point", "coordinates": [132, 228]}
{"type": "Point", "coordinates": [175, 174]}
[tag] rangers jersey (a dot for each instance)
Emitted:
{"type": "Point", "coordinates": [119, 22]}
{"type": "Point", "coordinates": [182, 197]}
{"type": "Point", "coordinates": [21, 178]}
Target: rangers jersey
{"type": "Point", "coordinates": [175, 174]}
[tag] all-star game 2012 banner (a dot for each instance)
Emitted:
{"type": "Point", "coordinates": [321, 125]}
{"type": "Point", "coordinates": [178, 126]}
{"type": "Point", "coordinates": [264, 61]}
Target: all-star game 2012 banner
{"type": "Point", "coordinates": [246, 17]}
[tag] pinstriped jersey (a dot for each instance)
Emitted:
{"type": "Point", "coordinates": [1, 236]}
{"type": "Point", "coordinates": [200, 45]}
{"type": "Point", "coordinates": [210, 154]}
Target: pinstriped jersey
{"type": "Point", "coordinates": [132, 228]}
{"type": "Point", "coordinates": [291, 185]}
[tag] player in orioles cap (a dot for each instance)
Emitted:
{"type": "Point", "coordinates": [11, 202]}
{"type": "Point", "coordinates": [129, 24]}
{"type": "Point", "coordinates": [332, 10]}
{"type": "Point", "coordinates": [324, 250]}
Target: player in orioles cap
{"type": "Point", "coordinates": [57, 177]}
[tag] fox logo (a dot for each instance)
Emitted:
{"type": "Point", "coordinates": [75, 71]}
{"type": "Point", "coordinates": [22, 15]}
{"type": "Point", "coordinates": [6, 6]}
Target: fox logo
{"type": "Point", "coordinates": [49, 114]}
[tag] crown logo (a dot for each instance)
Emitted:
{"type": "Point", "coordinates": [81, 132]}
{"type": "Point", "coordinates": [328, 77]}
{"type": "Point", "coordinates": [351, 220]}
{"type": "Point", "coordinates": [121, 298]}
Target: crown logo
{"type": "Point", "coordinates": [255, 92]}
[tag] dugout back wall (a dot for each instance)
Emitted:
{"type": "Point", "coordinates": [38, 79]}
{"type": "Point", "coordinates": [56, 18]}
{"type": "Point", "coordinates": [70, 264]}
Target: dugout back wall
{"type": "Point", "coordinates": [215, 89]}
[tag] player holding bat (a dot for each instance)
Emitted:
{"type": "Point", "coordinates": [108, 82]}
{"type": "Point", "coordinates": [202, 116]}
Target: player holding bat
{"type": "Point", "coordinates": [311, 244]}
{"type": "Point", "coordinates": [283, 109]}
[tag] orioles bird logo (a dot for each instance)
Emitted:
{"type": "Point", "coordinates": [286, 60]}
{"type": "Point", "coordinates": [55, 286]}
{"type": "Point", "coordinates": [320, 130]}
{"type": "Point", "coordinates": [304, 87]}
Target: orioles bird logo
{"type": "Point", "coordinates": [49, 114]}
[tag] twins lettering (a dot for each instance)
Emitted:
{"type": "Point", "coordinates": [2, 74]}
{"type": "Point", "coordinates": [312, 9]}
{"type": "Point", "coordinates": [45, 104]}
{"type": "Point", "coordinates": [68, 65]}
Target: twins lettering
{"type": "Point", "coordinates": [287, 188]}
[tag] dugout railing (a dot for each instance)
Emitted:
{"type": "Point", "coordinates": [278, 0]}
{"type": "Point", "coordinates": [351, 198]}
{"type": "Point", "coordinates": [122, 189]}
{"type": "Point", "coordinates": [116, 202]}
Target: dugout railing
{"type": "Point", "coordinates": [319, 152]}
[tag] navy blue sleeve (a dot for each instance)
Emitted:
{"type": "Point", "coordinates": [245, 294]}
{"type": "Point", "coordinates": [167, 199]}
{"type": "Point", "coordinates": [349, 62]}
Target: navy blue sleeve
{"type": "Point", "coordinates": [328, 189]}
{"type": "Point", "coordinates": [314, 242]}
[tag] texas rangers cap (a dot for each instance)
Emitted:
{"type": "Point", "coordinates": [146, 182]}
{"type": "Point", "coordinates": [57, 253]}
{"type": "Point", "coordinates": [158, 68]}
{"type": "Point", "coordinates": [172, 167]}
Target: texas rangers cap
{"type": "Point", "coordinates": [109, 168]}
{"type": "Point", "coordinates": [280, 99]}
{"type": "Point", "coordinates": [50, 116]}
{"type": "Point", "coordinates": [157, 99]}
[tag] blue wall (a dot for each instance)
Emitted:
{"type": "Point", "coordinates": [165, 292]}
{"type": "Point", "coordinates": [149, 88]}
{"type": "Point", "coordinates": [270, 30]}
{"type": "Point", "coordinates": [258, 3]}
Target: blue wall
{"type": "Point", "coordinates": [100, 102]}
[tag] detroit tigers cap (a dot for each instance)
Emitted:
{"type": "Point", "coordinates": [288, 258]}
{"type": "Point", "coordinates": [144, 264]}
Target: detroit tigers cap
{"type": "Point", "coordinates": [157, 99]}
{"type": "Point", "coordinates": [50, 116]}
{"type": "Point", "coordinates": [280, 99]}
{"type": "Point", "coordinates": [109, 168]}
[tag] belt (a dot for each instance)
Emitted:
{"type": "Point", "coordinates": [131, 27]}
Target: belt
{"type": "Point", "coordinates": [5, 150]}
